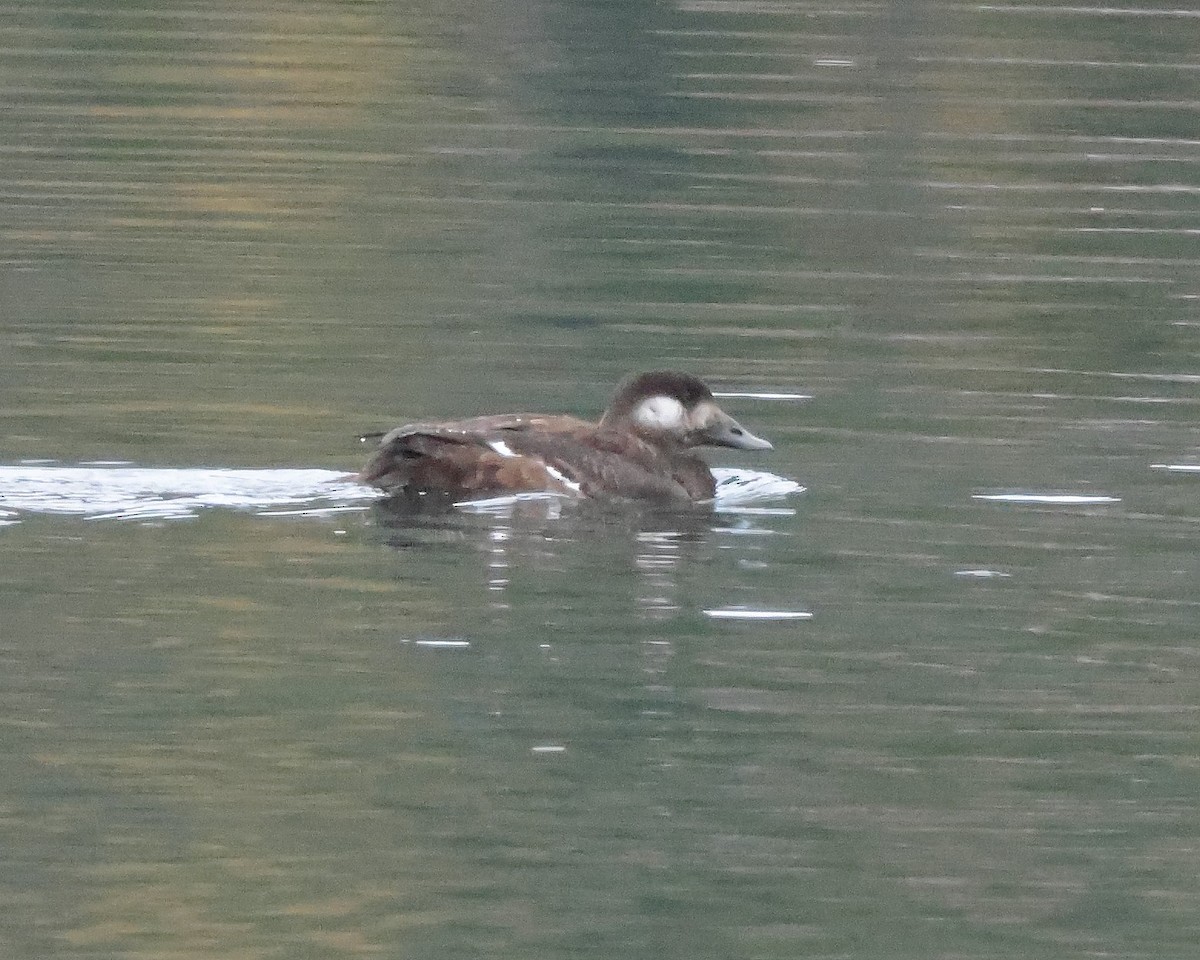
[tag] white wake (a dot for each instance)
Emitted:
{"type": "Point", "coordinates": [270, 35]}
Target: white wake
{"type": "Point", "coordinates": [125, 492]}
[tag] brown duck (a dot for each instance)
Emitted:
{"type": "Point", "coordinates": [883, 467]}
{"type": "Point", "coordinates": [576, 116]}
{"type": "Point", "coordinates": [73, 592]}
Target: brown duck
{"type": "Point", "coordinates": [640, 450]}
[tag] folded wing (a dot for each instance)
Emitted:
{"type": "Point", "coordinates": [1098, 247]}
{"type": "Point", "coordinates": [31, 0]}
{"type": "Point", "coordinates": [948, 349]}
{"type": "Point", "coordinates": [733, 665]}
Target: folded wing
{"type": "Point", "coordinates": [512, 453]}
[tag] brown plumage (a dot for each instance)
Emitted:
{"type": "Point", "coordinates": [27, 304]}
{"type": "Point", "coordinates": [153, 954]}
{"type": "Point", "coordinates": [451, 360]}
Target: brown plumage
{"type": "Point", "coordinates": [640, 449]}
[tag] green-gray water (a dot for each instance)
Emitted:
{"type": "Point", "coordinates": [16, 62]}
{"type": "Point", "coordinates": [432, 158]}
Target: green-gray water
{"type": "Point", "coordinates": [234, 236]}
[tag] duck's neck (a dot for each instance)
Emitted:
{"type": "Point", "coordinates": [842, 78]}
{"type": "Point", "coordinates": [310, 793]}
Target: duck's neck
{"type": "Point", "coordinates": [659, 439]}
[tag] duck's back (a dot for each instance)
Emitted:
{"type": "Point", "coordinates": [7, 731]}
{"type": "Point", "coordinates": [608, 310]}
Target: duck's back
{"type": "Point", "coordinates": [515, 453]}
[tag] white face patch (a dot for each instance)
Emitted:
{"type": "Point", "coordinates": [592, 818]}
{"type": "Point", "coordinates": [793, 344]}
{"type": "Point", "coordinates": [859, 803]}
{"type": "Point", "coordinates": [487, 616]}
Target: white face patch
{"type": "Point", "coordinates": [501, 448]}
{"type": "Point", "coordinates": [661, 413]}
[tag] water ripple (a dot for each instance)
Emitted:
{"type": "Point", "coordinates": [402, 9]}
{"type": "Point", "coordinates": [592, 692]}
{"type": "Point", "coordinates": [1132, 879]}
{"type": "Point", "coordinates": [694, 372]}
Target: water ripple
{"type": "Point", "coordinates": [122, 492]}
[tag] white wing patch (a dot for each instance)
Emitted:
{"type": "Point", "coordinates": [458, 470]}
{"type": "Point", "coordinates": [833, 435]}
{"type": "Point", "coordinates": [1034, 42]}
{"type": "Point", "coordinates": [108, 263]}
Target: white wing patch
{"type": "Point", "coordinates": [661, 413]}
{"type": "Point", "coordinates": [563, 479]}
{"type": "Point", "coordinates": [505, 450]}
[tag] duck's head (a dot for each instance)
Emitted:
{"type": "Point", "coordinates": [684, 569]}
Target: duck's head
{"type": "Point", "coordinates": [667, 406]}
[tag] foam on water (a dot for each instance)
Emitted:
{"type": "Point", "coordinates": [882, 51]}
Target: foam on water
{"type": "Point", "coordinates": [101, 492]}
{"type": "Point", "coordinates": [735, 487]}
{"type": "Point", "coordinates": [124, 492]}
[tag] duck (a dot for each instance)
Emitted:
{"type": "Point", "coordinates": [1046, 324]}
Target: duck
{"type": "Point", "coordinates": [641, 449]}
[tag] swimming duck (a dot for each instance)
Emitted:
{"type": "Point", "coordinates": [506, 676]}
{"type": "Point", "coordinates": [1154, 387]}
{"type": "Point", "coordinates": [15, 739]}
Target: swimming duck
{"type": "Point", "coordinates": [641, 449]}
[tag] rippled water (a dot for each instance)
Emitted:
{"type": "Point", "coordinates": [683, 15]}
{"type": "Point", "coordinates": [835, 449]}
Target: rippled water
{"type": "Point", "coordinates": [942, 704]}
{"type": "Point", "coordinates": [123, 492]}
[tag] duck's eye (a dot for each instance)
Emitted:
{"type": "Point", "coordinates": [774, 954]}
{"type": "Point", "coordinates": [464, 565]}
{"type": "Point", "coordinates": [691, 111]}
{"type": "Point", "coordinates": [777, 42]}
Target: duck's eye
{"type": "Point", "coordinates": [737, 431]}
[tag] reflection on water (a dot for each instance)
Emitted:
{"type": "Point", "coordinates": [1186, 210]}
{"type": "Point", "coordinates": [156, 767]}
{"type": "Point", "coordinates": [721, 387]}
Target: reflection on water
{"type": "Point", "coordinates": [741, 613]}
{"type": "Point", "coordinates": [526, 537]}
{"type": "Point", "coordinates": [1177, 467]}
{"type": "Point", "coordinates": [1063, 499]}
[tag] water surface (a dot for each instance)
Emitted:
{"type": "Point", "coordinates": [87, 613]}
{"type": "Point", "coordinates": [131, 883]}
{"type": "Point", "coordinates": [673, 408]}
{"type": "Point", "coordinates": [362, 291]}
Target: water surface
{"type": "Point", "coordinates": [943, 704]}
